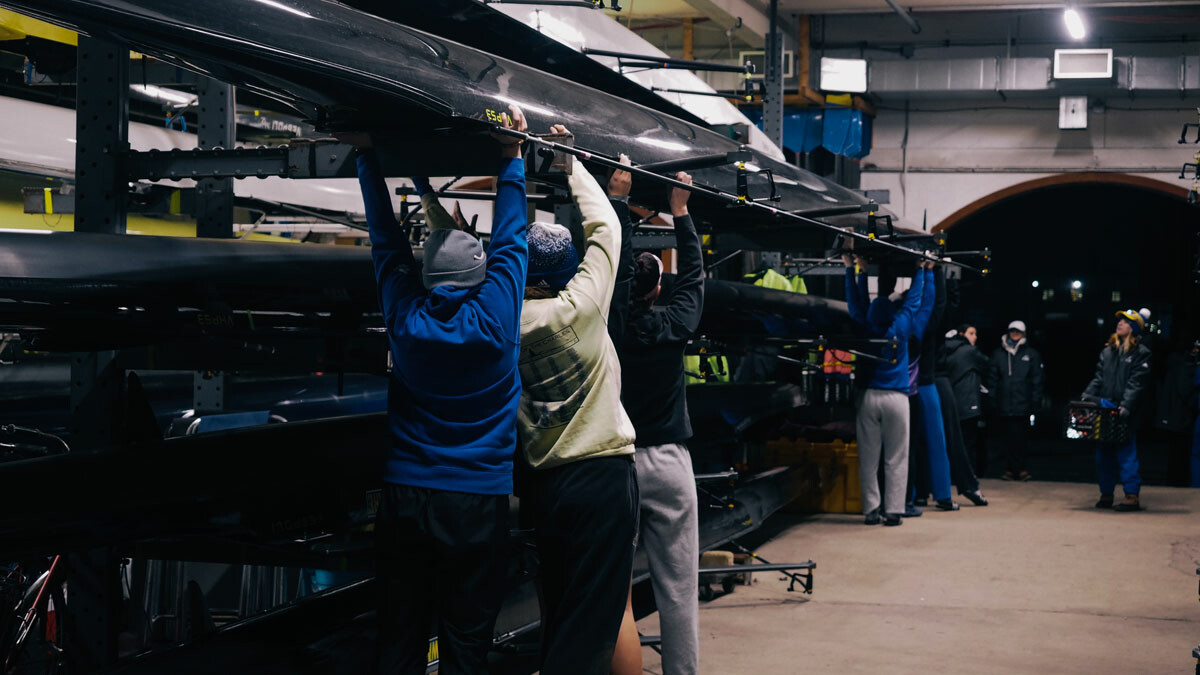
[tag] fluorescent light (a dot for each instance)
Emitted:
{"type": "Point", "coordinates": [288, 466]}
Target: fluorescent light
{"type": "Point", "coordinates": [665, 145]}
{"type": "Point", "coordinates": [169, 95]}
{"type": "Point", "coordinates": [844, 75]}
{"type": "Point", "coordinates": [1074, 22]}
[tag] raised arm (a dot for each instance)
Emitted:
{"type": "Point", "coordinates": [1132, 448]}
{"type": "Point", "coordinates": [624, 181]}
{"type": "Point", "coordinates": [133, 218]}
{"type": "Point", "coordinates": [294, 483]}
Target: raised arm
{"type": "Point", "coordinates": [503, 290]}
{"type": "Point", "coordinates": [619, 185]}
{"type": "Point", "coordinates": [687, 298]}
{"type": "Point", "coordinates": [904, 325]}
{"type": "Point", "coordinates": [396, 270]}
{"type": "Point", "coordinates": [598, 270]}
{"type": "Point", "coordinates": [856, 295]}
{"type": "Point", "coordinates": [928, 301]}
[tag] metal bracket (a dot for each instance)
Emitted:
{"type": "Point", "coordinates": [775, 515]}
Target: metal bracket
{"type": "Point", "coordinates": [743, 191]}
{"type": "Point", "coordinates": [1183, 133]}
{"type": "Point", "coordinates": [211, 392]}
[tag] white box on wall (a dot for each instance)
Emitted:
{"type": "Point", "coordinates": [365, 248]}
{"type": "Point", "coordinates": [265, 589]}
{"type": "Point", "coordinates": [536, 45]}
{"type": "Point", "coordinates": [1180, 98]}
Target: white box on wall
{"type": "Point", "coordinates": [1072, 112]}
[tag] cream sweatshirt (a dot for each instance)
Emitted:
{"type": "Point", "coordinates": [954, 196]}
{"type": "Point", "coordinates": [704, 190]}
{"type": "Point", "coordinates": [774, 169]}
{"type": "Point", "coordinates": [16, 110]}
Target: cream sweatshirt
{"type": "Point", "coordinates": [570, 376]}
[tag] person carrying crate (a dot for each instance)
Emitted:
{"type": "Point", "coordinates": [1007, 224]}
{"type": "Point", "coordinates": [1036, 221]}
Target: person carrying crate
{"type": "Point", "coordinates": [1122, 375]}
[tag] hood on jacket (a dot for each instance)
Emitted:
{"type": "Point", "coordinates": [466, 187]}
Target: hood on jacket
{"type": "Point", "coordinates": [1009, 346]}
{"type": "Point", "coordinates": [880, 314]}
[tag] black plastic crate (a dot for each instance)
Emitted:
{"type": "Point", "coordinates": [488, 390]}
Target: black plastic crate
{"type": "Point", "coordinates": [1091, 422]}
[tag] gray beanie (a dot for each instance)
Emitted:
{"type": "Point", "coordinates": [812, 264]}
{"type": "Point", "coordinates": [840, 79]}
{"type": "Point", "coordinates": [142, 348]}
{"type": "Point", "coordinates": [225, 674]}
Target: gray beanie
{"type": "Point", "coordinates": [453, 258]}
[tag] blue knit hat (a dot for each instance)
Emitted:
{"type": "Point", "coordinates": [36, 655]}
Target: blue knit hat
{"type": "Point", "coordinates": [553, 259]}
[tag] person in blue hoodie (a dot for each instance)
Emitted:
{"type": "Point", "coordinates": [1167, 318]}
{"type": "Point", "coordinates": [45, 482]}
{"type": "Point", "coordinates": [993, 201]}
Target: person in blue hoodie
{"type": "Point", "coordinates": [883, 412]}
{"type": "Point", "coordinates": [453, 329]}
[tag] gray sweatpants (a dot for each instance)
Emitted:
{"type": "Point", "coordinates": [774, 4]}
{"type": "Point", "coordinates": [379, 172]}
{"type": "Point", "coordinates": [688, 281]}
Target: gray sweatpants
{"type": "Point", "coordinates": [670, 536]}
{"type": "Point", "coordinates": [882, 423]}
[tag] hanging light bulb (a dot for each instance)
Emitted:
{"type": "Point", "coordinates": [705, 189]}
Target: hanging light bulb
{"type": "Point", "coordinates": [1074, 22]}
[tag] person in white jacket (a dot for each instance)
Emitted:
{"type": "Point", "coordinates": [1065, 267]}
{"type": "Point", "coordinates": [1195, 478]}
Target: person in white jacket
{"type": "Point", "coordinates": [580, 490]}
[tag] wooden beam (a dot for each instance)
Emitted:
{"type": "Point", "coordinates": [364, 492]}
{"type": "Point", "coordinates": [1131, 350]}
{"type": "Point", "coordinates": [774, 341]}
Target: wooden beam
{"type": "Point", "coordinates": [804, 49]}
{"type": "Point", "coordinates": [689, 35]}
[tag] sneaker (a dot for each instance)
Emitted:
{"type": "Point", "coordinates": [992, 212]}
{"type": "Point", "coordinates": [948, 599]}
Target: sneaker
{"type": "Point", "coordinates": [1025, 476]}
{"type": "Point", "coordinates": [892, 520]}
{"type": "Point", "coordinates": [1106, 502]}
{"type": "Point", "coordinates": [976, 497]}
{"type": "Point", "coordinates": [1008, 475]}
{"type": "Point", "coordinates": [872, 518]}
{"type": "Point", "coordinates": [911, 511]}
{"type": "Point", "coordinates": [923, 501]}
{"type": "Point", "coordinates": [947, 505]}
{"type": "Point", "coordinates": [1130, 503]}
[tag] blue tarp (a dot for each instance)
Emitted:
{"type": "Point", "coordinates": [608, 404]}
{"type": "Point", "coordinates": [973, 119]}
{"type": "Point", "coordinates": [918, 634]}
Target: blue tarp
{"type": "Point", "coordinates": [842, 131]}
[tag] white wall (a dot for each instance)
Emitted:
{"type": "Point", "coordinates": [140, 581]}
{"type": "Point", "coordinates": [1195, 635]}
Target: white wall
{"type": "Point", "coordinates": [953, 156]}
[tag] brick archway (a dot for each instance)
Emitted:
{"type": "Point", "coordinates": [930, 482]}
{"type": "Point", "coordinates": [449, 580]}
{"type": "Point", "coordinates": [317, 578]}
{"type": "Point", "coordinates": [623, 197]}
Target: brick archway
{"type": "Point", "coordinates": [1080, 178]}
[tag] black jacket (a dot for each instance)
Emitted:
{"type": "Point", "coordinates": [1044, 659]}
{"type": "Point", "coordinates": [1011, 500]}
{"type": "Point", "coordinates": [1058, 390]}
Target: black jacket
{"type": "Point", "coordinates": [1122, 378]}
{"type": "Point", "coordinates": [651, 350]}
{"type": "Point", "coordinates": [1016, 382]}
{"type": "Point", "coordinates": [966, 367]}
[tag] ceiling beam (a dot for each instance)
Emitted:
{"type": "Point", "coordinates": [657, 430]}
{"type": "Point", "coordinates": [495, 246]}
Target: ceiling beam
{"type": "Point", "coordinates": [749, 23]}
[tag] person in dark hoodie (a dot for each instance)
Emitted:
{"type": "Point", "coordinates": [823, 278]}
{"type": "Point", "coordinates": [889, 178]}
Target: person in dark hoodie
{"type": "Point", "coordinates": [654, 394]}
{"type": "Point", "coordinates": [1122, 377]}
{"type": "Point", "coordinates": [966, 368]}
{"type": "Point", "coordinates": [882, 412]}
{"type": "Point", "coordinates": [442, 526]}
{"type": "Point", "coordinates": [1016, 381]}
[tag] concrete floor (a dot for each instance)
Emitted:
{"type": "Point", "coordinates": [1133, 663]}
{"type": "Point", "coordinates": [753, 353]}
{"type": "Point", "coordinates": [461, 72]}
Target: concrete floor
{"type": "Point", "coordinates": [1037, 582]}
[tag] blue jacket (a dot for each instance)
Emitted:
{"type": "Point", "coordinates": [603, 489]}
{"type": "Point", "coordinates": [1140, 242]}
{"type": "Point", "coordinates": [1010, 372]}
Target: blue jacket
{"type": "Point", "coordinates": [454, 390]}
{"type": "Point", "coordinates": [909, 322]}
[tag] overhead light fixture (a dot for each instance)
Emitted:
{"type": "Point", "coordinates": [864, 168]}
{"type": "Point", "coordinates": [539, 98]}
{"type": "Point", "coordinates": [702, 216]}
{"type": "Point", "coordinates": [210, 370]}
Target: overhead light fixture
{"type": "Point", "coordinates": [1077, 284]}
{"type": "Point", "coordinates": [162, 94]}
{"type": "Point", "coordinates": [1036, 284]}
{"type": "Point", "coordinates": [1074, 22]}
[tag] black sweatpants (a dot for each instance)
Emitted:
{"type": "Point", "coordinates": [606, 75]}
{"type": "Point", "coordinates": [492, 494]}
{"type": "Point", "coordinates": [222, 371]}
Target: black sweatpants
{"type": "Point", "coordinates": [961, 471]}
{"type": "Point", "coordinates": [1013, 432]}
{"type": "Point", "coordinates": [441, 554]}
{"type": "Point", "coordinates": [585, 515]}
{"type": "Point", "coordinates": [919, 482]}
{"type": "Point", "coordinates": [972, 441]}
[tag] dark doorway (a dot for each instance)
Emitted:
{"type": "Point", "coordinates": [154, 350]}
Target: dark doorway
{"type": "Point", "coordinates": [1091, 249]}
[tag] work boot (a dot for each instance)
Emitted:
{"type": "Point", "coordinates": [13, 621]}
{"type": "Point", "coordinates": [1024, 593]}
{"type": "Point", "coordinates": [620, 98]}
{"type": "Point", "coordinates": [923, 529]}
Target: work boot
{"type": "Point", "coordinates": [1008, 475]}
{"type": "Point", "coordinates": [947, 505]}
{"type": "Point", "coordinates": [912, 511]}
{"type": "Point", "coordinates": [1106, 502]}
{"type": "Point", "coordinates": [872, 518]}
{"type": "Point", "coordinates": [892, 520]}
{"type": "Point", "coordinates": [1130, 503]}
{"type": "Point", "coordinates": [976, 497]}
